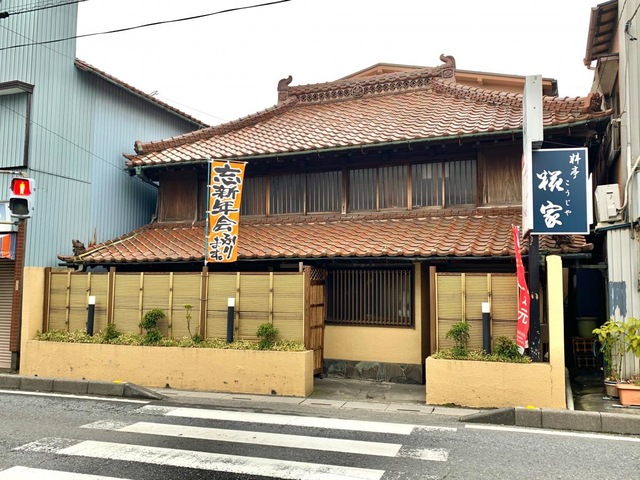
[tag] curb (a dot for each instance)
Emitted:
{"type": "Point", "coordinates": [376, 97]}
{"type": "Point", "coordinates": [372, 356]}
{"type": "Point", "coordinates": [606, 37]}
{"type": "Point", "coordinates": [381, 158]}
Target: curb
{"type": "Point", "coordinates": [576, 420]}
{"type": "Point", "coordinates": [76, 387]}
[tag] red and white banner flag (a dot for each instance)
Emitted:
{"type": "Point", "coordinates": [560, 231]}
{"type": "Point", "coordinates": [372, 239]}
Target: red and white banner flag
{"type": "Point", "coordinates": [522, 335]}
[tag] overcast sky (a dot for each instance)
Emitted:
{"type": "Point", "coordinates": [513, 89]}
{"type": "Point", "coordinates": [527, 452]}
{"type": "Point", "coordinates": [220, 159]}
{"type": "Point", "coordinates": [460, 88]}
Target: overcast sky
{"type": "Point", "coordinates": [227, 66]}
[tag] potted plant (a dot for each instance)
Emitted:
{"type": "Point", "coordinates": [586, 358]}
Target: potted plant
{"type": "Point", "coordinates": [611, 336]}
{"type": "Point", "coordinates": [629, 390]}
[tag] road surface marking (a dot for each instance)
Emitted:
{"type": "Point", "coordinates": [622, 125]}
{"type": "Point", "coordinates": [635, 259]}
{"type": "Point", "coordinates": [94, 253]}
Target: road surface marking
{"type": "Point", "coordinates": [81, 397]}
{"type": "Point", "coordinates": [560, 433]}
{"type": "Point", "coordinates": [278, 440]}
{"type": "Point", "coordinates": [430, 454]}
{"type": "Point", "coordinates": [220, 463]}
{"type": "Point", "coordinates": [26, 473]}
{"type": "Point", "coordinates": [297, 421]}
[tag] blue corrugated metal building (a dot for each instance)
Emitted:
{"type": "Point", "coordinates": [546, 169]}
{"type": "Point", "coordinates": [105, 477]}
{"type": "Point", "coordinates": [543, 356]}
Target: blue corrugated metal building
{"type": "Point", "coordinates": [66, 124]}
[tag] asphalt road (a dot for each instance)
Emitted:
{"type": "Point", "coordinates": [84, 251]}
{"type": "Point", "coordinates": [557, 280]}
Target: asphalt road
{"type": "Point", "coordinates": [42, 435]}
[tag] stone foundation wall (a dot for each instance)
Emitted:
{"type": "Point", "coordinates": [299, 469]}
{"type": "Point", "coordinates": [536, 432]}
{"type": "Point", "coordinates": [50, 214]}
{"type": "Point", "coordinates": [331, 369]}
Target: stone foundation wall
{"type": "Point", "coordinates": [376, 371]}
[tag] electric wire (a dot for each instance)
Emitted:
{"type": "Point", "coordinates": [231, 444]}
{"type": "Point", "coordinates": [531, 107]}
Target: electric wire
{"type": "Point", "coordinates": [28, 9]}
{"type": "Point", "coordinates": [73, 60]}
{"type": "Point", "coordinates": [152, 24]}
{"type": "Point", "coordinates": [71, 142]}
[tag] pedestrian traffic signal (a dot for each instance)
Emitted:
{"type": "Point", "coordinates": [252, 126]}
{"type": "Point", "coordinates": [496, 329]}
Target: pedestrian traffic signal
{"type": "Point", "coordinates": [21, 199]}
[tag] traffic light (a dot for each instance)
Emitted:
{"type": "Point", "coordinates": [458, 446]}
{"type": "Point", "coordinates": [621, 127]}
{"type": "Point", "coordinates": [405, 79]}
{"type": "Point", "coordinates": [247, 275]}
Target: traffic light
{"type": "Point", "coordinates": [21, 199]}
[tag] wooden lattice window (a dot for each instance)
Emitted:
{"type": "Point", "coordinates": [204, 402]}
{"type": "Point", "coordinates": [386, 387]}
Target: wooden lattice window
{"type": "Point", "coordinates": [377, 297]}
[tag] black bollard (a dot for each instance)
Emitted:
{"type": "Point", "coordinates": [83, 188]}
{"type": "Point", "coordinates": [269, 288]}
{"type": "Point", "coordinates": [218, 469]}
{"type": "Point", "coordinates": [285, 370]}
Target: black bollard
{"type": "Point", "coordinates": [231, 304]}
{"type": "Point", "coordinates": [90, 314]}
{"type": "Point", "coordinates": [486, 327]}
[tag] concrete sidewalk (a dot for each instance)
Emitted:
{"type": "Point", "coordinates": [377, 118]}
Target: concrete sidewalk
{"type": "Point", "coordinates": [355, 395]}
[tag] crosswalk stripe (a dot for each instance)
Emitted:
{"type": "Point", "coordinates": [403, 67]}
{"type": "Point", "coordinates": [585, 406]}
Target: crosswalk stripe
{"type": "Point", "coordinates": [297, 421]}
{"type": "Point", "coordinates": [284, 469]}
{"type": "Point", "coordinates": [269, 439]}
{"type": "Point", "coordinates": [24, 473]}
{"type": "Point", "coordinates": [325, 444]}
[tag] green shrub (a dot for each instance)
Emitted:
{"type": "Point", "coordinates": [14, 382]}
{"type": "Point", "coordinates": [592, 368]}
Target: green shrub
{"type": "Point", "coordinates": [156, 339]}
{"type": "Point", "coordinates": [151, 319]}
{"type": "Point", "coordinates": [506, 348]}
{"type": "Point", "coordinates": [267, 334]}
{"type": "Point", "coordinates": [478, 355]}
{"type": "Point", "coordinates": [110, 334]}
{"type": "Point", "coordinates": [152, 337]}
{"type": "Point", "coordinates": [77, 336]}
{"type": "Point", "coordinates": [150, 324]}
{"type": "Point", "coordinates": [459, 333]}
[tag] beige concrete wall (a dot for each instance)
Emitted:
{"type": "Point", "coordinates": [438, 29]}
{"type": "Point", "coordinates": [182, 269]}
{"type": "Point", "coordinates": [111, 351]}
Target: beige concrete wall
{"type": "Point", "coordinates": [373, 344]}
{"type": "Point", "coordinates": [207, 369]}
{"type": "Point", "coordinates": [378, 344]}
{"type": "Point", "coordinates": [32, 304]}
{"type": "Point", "coordinates": [237, 371]}
{"type": "Point", "coordinates": [491, 384]}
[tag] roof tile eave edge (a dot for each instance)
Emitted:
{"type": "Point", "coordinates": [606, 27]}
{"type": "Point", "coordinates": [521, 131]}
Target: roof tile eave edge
{"type": "Point", "coordinates": [139, 160]}
{"type": "Point", "coordinates": [143, 148]}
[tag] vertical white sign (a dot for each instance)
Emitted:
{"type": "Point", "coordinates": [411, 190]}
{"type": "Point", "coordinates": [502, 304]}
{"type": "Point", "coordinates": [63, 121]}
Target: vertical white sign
{"type": "Point", "coordinates": [532, 137]}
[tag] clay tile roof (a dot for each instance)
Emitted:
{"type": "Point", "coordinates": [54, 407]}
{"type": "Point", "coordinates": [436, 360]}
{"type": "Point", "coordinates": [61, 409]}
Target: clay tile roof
{"type": "Point", "coordinates": [424, 104]}
{"type": "Point", "coordinates": [480, 232]}
{"type": "Point", "coordinates": [82, 65]}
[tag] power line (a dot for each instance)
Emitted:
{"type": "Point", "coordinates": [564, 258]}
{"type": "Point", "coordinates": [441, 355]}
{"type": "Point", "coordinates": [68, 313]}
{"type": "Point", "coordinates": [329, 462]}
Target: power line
{"type": "Point", "coordinates": [73, 60]}
{"type": "Point", "coordinates": [119, 30]}
{"type": "Point", "coordinates": [187, 106]}
{"type": "Point", "coordinates": [63, 138]}
{"type": "Point", "coordinates": [28, 9]}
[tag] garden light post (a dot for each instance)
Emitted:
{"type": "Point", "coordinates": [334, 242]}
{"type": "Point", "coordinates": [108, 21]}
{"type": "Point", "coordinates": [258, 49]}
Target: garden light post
{"type": "Point", "coordinates": [231, 304]}
{"type": "Point", "coordinates": [486, 327]}
{"type": "Point", "coordinates": [90, 314]}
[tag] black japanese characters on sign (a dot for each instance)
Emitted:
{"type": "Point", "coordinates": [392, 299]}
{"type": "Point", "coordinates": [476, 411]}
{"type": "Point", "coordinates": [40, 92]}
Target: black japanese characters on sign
{"type": "Point", "coordinates": [223, 213]}
{"type": "Point", "coordinates": [560, 191]}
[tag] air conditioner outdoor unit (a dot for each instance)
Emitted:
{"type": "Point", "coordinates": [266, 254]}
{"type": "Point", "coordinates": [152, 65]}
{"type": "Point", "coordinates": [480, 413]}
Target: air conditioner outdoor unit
{"type": "Point", "coordinates": [607, 200]}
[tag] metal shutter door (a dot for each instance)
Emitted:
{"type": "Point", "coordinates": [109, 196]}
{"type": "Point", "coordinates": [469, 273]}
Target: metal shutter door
{"type": "Point", "coordinates": [6, 282]}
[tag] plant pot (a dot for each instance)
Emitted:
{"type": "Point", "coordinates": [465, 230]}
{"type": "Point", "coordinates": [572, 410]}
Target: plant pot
{"type": "Point", "coordinates": [611, 388]}
{"type": "Point", "coordinates": [629, 394]}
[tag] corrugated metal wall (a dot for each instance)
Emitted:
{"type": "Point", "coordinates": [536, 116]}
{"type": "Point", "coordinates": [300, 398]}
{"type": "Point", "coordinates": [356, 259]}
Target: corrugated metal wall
{"type": "Point", "coordinates": [623, 254]}
{"type": "Point", "coordinates": [81, 126]}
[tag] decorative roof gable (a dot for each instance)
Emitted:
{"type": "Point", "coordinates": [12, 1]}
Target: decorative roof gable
{"type": "Point", "coordinates": [423, 104]}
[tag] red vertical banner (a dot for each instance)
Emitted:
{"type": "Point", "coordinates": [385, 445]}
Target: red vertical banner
{"type": "Point", "coordinates": [223, 210]}
{"type": "Point", "coordinates": [522, 333]}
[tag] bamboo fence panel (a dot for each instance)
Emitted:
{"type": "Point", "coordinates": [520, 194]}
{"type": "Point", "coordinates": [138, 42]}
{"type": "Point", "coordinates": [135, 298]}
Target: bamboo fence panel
{"type": "Point", "coordinates": [460, 296]}
{"type": "Point", "coordinates": [504, 306]}
{"type": "Point", "coordinates": [69, 299]}
{"type": "Point", "coordinates": [222, 286]}
{"type": "Point", "coordinates": [126, 302]}
{"type": "Point", "coordinates": [288, 306]}
{"type": "Point", "coordinates": [449, 302]}
{"type": "Point", "coordinates": [277, 298]}
{"type": "Point", "coordinates": [255, 294]}
{"type": "Point", "coordinates": [156, 295]}
{"type": "Point", "coordinates": [186, 291]}
{"type": "Point", "coordinates": [475, 294]}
